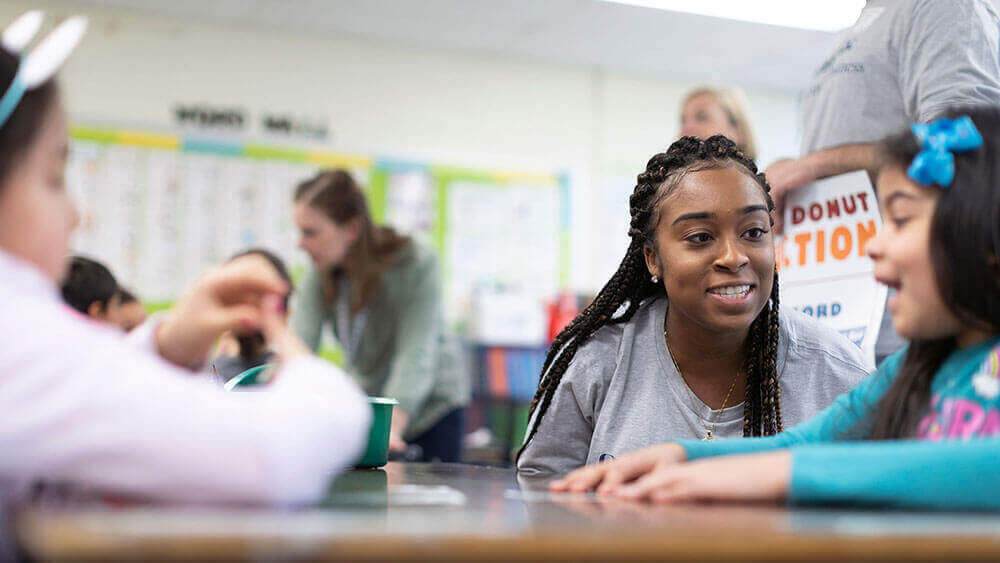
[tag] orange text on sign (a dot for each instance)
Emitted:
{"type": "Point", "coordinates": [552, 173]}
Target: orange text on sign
{"type": "Point", "coordinates": [831, 208]}
{"type": "Point", "coordinates": [838, 244]}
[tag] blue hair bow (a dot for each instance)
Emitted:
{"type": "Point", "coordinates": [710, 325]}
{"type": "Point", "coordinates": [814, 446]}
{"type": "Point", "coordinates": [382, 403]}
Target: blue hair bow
{"type": "Point", "coordinates": [935, 164]}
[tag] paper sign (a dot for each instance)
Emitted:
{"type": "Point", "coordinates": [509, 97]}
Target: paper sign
{"type": "Point", "coordinates": [825, 271]}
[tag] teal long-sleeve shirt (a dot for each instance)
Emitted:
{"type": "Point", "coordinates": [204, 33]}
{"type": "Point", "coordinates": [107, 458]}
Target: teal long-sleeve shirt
{"type": "Point", "coordinates": [953, 463]}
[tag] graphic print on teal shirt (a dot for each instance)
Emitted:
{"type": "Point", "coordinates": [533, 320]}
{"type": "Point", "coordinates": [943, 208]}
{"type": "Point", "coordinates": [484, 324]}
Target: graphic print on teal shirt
{"type": "Point", "coordinates": [964, 399]}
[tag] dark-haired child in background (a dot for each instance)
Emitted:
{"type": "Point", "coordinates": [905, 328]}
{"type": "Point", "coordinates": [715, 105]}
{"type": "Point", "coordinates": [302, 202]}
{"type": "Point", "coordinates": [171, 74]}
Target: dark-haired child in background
{"type": "Point", "coordinates": [90, 288]}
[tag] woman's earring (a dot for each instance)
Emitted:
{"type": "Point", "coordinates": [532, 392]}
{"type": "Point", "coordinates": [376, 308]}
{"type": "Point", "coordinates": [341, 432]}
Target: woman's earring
{"type": "Point", "coordinates": [654, 279]}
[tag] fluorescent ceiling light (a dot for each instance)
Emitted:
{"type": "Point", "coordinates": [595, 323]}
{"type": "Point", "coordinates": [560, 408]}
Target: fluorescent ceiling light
{"type": "Point", "coordinates": [827, 15]}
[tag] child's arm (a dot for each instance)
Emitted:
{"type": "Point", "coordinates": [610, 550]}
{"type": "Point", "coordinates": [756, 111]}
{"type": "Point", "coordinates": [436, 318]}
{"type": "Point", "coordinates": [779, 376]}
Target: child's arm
{"type": "Point", "coordinates": [102, 414]}
{"type": "Point", "coordinates": [959, 475]}
{"type": "Point", "coordinates": [839, 421]}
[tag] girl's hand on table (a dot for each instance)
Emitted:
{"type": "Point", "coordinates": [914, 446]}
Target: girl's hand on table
{"type": "Point", "coordinates": [609, 476]}
{"type": "Point", "coordinates": [743, 478]}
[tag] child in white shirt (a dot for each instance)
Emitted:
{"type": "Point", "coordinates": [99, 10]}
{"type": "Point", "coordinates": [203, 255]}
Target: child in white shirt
{"type": "Point", "coordinates": [83, 406]}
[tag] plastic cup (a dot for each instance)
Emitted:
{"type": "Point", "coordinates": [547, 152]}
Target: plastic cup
{"type": "Point", "coordinates": [248, 377]}
{"type": "Point", "coordinates": [377, 452]}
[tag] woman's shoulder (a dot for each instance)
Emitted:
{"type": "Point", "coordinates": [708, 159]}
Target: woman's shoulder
{"type": "Point", "coordinates": [603, 350]}
{"type": "Point", "coordinates": [809, 339]}
{"type": "Point", "coordinates": [416, 257]}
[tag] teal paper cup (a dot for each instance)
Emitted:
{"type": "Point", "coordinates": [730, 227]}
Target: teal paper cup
{"type": "Point", "coordinates": [377, 452]}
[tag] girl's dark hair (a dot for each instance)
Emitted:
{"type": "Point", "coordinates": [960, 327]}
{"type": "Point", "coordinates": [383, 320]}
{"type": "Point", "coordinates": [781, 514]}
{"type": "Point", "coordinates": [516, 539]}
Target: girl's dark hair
{"type": "Point", "coordinates": [18, 133]}
{"type": "Point", "coordinates": [335, 194]}
{"type": "Point", "coordinates": [630, 286]}
{"type": "Point", "coordinates": [252, 345]}
{"type": "Point", "coordinates": [964, 244]}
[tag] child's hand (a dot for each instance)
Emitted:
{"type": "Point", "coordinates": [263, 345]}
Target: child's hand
{"type": "Point", "coordinates": [609, 476]}
{"type": "Point", "coordinates": [226, 346]}
{"type": "Point", "coordinates": [285, 343]}
{"type": "Point", "coordinates": [228, 297]}
{"type": "Point", "coordinates": [742, 478]}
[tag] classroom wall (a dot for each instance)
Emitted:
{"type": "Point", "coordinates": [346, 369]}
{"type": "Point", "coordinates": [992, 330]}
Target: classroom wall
{"type": "Point", "coordinates": [448, 107]}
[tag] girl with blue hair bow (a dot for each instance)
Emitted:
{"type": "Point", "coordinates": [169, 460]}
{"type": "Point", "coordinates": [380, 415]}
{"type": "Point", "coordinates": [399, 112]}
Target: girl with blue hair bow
{"type": "Point", "coordinates": [924, 430]}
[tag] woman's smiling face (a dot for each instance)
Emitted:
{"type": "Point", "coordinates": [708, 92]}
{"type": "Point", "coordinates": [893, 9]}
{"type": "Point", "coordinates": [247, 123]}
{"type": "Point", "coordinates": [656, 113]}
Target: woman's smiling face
{"type": "Point", "coordinates": [714, 249]}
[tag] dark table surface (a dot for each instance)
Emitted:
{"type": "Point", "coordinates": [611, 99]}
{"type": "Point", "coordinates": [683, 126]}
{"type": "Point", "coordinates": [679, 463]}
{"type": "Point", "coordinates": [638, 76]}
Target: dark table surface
{"type": "Point", "coordinates": [460, 512]}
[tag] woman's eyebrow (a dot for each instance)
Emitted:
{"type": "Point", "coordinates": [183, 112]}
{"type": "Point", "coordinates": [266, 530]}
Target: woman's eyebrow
{"type": "Point", "coordinates": [708, 215]}
{"type": "Point", "coordinates": [694, 216]}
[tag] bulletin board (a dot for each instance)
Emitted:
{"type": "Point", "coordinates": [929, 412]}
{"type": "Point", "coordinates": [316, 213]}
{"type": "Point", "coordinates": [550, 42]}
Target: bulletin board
{"type": "Point", "coordinates": [159, 209]}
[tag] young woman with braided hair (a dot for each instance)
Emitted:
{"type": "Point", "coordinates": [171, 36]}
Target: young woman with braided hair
{"type": "Point", "coordinates": [720, 361]}
{"type": "Point", "coordinates": [924, 430]}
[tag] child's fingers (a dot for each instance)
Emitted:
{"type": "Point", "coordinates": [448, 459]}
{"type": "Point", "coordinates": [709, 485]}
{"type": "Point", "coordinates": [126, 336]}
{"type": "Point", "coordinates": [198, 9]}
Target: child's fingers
{"type": "Point", "coordinates": [582, 479]}
{"type": "Point", "coordinates": [681, 491]}
{"type": "Point", "coordinates": [284, 342]}
{"type": "Point", "coordinates": [246, 279]}
{"type": "Point", "coordinates": [240, 319]}
{"type": "Point", "coordinates": [644, 486]}
{"type": "Point", "coordinates": [620, 472]}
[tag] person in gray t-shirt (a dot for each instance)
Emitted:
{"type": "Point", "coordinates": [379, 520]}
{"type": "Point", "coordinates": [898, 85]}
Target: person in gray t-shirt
{"type": "Point", "coordinates": [720, 361]}
{"type": "Point", "coordinates": [902, 62]}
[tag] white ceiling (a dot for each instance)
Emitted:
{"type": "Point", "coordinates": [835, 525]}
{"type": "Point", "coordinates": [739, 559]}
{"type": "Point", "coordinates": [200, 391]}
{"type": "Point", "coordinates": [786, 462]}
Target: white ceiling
{"type": "Point", "coordinates": [585, 33]}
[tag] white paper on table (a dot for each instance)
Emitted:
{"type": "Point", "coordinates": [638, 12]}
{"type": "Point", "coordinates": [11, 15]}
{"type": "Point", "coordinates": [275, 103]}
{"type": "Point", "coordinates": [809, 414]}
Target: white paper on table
{"type": "Point", "coordinates": [425, 495]}
{"type": "Point", "coordinates": [825, 270]}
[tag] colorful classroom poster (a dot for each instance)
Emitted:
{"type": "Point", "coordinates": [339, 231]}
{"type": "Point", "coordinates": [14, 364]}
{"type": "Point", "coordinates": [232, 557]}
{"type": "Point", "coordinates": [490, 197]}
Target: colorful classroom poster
{"type": "Point", "coordinates": [825, 271]}
{"type": "Point", "coordinates": [502, 250]}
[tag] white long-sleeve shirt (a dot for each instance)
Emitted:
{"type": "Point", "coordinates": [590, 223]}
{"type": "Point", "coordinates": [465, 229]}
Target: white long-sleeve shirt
{"type": "Point", "coordinates": [80, 405]}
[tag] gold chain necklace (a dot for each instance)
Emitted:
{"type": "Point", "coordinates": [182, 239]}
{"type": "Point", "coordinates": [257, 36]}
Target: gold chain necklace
{"type": "Point", "coordinates": [694, 404]}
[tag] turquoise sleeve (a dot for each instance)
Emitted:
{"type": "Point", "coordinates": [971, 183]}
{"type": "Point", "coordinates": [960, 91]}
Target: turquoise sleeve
{"type": "Point", "coordinates": [941, 475]}
{"type": "Point", "coordinates": [842, 420]}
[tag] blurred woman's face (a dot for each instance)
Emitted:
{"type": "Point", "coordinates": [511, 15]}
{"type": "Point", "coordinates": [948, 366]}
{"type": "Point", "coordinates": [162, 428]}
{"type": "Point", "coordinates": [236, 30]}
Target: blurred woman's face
{"type": "Point", "coordinates": [702, 117]}
{"type": "Point", "coordinates": [37, 215]}
{"type": "Point", "coordinates": [326, 242]}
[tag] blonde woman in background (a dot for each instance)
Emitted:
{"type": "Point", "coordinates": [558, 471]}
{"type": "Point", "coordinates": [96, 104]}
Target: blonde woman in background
{"type": "Point", "coordinates": [709, 110]}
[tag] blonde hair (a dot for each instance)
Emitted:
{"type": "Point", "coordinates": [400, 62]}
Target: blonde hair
{"type": "Point", "coordinates": [734, 103]}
